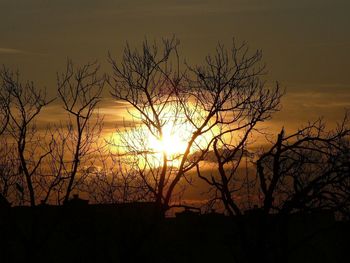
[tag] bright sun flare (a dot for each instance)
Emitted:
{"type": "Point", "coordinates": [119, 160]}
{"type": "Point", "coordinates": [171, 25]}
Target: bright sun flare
{"type": "Point", "coordinates": [148, 149]}
{"type": "Point", "coordinates": [173, 142]}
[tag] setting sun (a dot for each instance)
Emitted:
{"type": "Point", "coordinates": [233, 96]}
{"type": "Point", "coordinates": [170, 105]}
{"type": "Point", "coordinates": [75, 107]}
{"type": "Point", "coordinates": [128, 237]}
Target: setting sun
{"type": "Point", "coordinates": [149, 147]}
{"type": "Point", "coordinates": [173, 142]}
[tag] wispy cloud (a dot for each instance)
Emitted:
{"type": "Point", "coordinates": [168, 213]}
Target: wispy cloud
{"type": "Point", "coordinates": [11, 51]}
{"type": "Point", "coordinates": [14, 51]}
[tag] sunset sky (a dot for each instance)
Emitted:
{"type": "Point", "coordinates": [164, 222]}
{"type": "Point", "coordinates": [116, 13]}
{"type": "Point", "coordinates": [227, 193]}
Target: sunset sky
{"type": "Point", "coordinates": [174, 130]}
{"type": "Point", "coordinates": [306, 43]}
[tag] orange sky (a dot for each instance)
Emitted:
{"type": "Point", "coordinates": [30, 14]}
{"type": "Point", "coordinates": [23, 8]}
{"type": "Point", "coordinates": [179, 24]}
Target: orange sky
{"type": "Point", "coordinates": [305, 43]}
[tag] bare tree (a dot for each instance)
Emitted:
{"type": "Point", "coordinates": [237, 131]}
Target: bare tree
{"type": "Point", "coordinates": [303, 171]}
{"type": "Point", "coordinates": [80, 91]}
{"type": "Point", "coordinates": [113, 181]}
{"type": "Point", "coordinates": [230, 91]}
{"type": "Point", "coordinates": [209, 102]}
{"type": "Point", "coordinates": [306, 170]}
{"type": "Point", "coordinates": [4, 103]}
{"type": "Point", "coordinates": [9, 177]}
{"type": "Point", "coordinates": [25, 103]}
{"type": "Point", "coordinates": [5, 174]}
{"type": "Point", "coordinates": [147, 81]}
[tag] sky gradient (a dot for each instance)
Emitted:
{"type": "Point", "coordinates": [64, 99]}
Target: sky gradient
{"type": "Point", "coordinates": [306, 43]}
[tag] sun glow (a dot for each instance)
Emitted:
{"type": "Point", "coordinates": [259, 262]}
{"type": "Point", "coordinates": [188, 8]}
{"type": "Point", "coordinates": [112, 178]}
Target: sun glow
{"type": "Point", "coordinates": [173, 141]}
{"type": "Point", "coordinates": [147, 146]}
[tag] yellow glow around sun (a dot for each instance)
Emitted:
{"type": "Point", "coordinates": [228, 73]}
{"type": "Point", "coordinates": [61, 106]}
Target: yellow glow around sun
{"type": "Point", "coordinates": [173, 141]}
{"type": "Point", "coordinates": [150, 148]}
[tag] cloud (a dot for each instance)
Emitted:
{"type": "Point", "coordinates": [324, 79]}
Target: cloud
{"type": "Point", "coordinates": [11, 51]}
{"type": "Point", "coordinates": [14, 51]}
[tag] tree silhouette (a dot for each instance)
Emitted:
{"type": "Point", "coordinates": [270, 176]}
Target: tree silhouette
{"type": "Point", "coordinates": [215, 108]}
{"type": "Point", "coordinates": [217, 105]}
{"type": "Point", "coordinates": [4, 102]}
{"type": "Point", "coordinates": [9, 177]}
{"type": "Point", "coordinates": [80, 91]}
{"type": "Point", "coordinates": [5, 167]}
{"type": "Point", "coordinates": [113, 181]}
{"type": "Point", "coordinates": [230, 88]}
{"type": "Point", "coordinates": [25, 103]}
{"type": "Point", "coordinates": [147, 82]}
{"type": "Point", "coordinates": [225, 96]}
{"type": "Point", "coordinates": [306, 170]}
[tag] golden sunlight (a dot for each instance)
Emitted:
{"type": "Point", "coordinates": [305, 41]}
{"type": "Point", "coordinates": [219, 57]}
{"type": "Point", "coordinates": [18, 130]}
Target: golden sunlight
{"type": "Point", "coordinates": [148, 148]}
{"type": "Point", "coordinates": [174, 140]}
